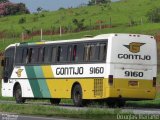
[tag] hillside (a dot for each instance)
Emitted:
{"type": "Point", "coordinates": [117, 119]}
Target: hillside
{"type": "Point", "coordinates": [118, 14]}
{"type": "Point", "coordinates": [125, 16]}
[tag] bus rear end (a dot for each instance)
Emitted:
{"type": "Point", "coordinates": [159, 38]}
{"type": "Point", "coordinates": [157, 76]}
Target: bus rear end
{"type": "Point", "coordinates": [133, 66]}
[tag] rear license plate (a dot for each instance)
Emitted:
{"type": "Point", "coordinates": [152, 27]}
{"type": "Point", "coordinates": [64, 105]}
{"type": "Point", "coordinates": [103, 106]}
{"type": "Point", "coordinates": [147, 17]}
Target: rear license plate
{"type": "Point", "coordinates": [133, 83]}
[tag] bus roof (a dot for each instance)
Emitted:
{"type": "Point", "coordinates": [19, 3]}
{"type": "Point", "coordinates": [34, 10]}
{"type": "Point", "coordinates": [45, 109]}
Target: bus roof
{"type": "Point", "coordinates": [101, 36]}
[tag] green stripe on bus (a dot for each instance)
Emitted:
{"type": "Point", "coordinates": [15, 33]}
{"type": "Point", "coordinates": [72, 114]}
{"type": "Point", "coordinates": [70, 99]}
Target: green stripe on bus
{"type": "Point", "coordinates": [42, 82]}
{"type": "Point", "coordinates": [31, 43]}
{"type": "Point", "coordinates": [33, 82]}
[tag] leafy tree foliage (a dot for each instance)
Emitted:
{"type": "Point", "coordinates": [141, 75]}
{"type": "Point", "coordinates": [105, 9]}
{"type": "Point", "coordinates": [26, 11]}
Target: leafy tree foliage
{"type": "Point", "coordinates": [4, 1]}
{"type": "Point", "coordinates": [93, 2]}
{"type": "Point", "coordinates": [22, 20]}
{"type": "Point", "coordinates": [39, 9]}
{"type": "Point", "coordinates": [79, 23]}
{"type": "Point", "coordinates": [8, 8]}
{"type": "Point", "coordinates": [154, 15]}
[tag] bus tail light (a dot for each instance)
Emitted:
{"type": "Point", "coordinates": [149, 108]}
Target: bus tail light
{"type": "Point", "coordinates": [110, 81]}
{"type": "Point", "coordinates": [154, 81]}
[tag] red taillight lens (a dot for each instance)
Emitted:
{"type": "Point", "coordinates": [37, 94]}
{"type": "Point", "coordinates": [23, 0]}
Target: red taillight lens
{"type": "Point", "coordinates": [110, 81]}
{"type": "Point", "coordinates": [154, 81]}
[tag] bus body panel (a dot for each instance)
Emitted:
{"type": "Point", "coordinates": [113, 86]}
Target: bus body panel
{"type": "Point", "coordinates": [138, 49]}
{"type": "Point", "coordinates": [133, 63]}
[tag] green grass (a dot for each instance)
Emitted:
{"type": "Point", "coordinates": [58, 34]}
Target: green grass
{"type": "Point", "coordinates": [149, 28]}
{"type": "Point", "coordinates": [144, 104]}
{"type": "Point", "coordinates": [121, 13]}
{"type": "Point", "coordinates": [50, 111]}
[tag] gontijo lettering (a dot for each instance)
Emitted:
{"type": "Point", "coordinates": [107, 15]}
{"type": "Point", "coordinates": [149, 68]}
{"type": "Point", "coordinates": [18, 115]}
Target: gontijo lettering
{"type": "Point", "coordinates": [134, 57]}
{"type": "Point", "coordinates": [69, 71]}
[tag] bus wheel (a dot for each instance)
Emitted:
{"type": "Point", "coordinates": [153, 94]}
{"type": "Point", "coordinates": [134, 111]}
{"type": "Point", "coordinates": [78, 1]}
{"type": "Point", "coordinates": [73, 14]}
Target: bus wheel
{"type": "Point", "coordinates": [18, 94]}
{"type": "Point", "coordinates": [77, 95]}
{"type": "Point", "coordinates": [55, 101]}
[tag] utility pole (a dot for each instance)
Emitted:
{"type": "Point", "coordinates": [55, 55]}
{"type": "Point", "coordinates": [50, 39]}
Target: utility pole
{"type": "Point", "coordinates": [41, 34]}
{"type": "Point", "coordinates": [22, 36]}
{"type": "Point", "coordinates": [110, 22]}
{"type": "Point", "coordinates": [60, 31]}
{"type": "Point", "coordinates": [95, 2]}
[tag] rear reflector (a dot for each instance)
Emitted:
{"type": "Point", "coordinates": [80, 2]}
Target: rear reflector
{"type": "Point", "coordinates": [110, 81]}
{"type": "Point", "coordinates": [154, 81]}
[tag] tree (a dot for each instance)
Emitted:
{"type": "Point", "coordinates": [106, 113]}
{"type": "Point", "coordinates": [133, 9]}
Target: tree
{"type": "Point", "coordinates": [154, 15]}
{"type": "Point", "coordinates": [8, 8]}
{"type": "Point", "coordinates": [93, 2]}
{"type": "Point", "coordinates": [22, 8]}
{"type": "Point", "coordinates": [22, 20]}
{"type": "Point", "coordinates": [79, 23]}
{"type": "Point", "coordinates": [2, 1]}
{"type": "Point", "coordinates": [39, 9]}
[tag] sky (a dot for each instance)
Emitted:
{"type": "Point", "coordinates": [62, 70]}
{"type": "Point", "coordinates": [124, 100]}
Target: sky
{"type": "Point", "coordinates": [51, 5]}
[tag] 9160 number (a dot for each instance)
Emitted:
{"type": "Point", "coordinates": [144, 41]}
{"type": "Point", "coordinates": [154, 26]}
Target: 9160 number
{"type": "Point", "coordinates": [96, 70]}
{"type": "Point", "coordinates": [133, 74]}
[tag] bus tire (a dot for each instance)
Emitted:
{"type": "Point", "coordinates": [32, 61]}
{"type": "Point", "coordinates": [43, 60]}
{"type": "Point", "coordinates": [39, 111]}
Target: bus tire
{"type": "Point", "coordinates": [77, 95]}
{"type": "Point", "coordinates": [18, 94]}
{"type": "Point", "coordinates": [55, 101]}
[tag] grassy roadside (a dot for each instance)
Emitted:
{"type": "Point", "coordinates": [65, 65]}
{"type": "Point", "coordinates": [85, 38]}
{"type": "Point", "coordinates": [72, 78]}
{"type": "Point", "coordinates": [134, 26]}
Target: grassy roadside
{"type": "Point", "coordinates": [51, 111]}
{"type": "Point", "coordinates": [150, 29]}
{"type": "Point", "coordinates": [90, 113]}
{"type": "Point", "coordinates": [117, 13]}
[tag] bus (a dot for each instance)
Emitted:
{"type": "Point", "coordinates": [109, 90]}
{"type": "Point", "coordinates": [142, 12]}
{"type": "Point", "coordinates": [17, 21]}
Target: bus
{"type": "Point", "coordinates": [112, 68]}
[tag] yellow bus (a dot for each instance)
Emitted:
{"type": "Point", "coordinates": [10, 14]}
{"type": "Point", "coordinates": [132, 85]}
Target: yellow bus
{"type": "Point", "coordinates": [108, 67]}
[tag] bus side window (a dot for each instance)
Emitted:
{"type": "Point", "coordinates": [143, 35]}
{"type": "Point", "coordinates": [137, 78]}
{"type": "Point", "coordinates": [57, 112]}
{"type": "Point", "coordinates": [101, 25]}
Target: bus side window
{"type": "Point", "coordinates": [6, 70]}
{"type": "Point", "coordinates": [74, 53]}
{"type": "Point", "coordinates": [30, 55]}
{"type": "Point", "coordinates": [9, 61]}
{"type": "Point", "coordinates": [34, 55]}
{"type": "Point", "coordinates": [94, 52]}
{"type": "Point", "coordinates": [59, 53]}
{"type": "Point", "coordinates": [62, 53]}
{"type": "Point", "coordinates": [19, 54]}
{"type": "Point", "coordinates": [41, 54]}
{"type": "Point", "coordinates": [70, 53]}
{"type": "Point", "coordinates": [102, 52]}
{"type": "Point", "coordinates": [25, 56]}
{"type": "Point", "coordinates": [87, 52]}
{"type": "Point", "coordinates": [53, 54]}
{"type": "Point", "coordinates": [47, 55]}
{"type": "Point", "coordinates": [79, 53]}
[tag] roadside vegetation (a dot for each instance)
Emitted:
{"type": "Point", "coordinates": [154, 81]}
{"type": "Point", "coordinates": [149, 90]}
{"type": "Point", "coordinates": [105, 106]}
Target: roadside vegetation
{"type": "Point", "coordinates": [126, 16]}
{"type": "Point", "coordinates": [51, 111]}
